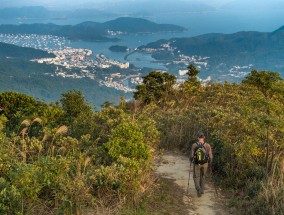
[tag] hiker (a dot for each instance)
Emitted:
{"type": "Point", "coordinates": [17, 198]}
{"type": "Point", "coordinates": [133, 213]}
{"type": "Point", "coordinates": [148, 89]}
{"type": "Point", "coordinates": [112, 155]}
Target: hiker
{"type": "Point", "coordinates": [201, 157]}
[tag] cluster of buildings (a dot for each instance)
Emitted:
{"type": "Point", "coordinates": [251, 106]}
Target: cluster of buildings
{"type": "Point", "coordinates": [104, 62]}
{"type": "Point", "coordinates": [240, 71]}
{"type": "Point", "coordinates": [114, 33]}
{"type": "Point", "coordinates": [69, 58]}
{"type": "Point", "coordinates": [43, 42]}
{"type": "Point", "coordinates": [78, 63]}
{"type": "Point", "coordinates": [118, 85]}
{"type": "Point", "coordinates": [180, 60]}
{"type": "Point", "coordinates": [197, 60]}
{"type": "Point", "coordinates": [81, 59]}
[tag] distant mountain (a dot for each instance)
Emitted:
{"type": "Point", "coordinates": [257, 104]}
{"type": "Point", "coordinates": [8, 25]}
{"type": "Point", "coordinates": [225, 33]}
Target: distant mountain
{"type": "Point", "coordinates": [12, 51]}
{"type": "Point", "coordinates": [91, 31]}
{"type": "Point", "coordinates": [138, 25]}
{"type": "Point", "coordinates": [224, 51]}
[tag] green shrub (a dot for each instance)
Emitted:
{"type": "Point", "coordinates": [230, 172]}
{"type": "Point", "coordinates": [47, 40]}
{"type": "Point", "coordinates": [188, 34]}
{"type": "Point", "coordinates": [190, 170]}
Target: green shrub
{"type": "Point", "coordinates": [10, 198]}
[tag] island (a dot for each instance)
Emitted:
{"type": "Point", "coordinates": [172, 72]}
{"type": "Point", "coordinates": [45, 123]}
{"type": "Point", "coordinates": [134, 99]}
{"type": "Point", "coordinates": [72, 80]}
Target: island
{"type": "Point", "coordinates": [117, 48]}
{"type": "Point", "coordinates": [93, 31]}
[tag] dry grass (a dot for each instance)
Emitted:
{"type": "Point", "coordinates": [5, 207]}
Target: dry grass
{"type": "Point", "coordinates": [24, 131]}
{"type": "Point", "coordinates": [37, 120]}
{"type": "Point", "coordinates": [273, 190]}
{"type": "Point", "coordinates": [165, 199]}
{"type": "Point", "coordinates": [62, 130]}
{"type": "Point", "coordinates": [45, 137]}
{"type": "Point", "coordinates": [26, 123]}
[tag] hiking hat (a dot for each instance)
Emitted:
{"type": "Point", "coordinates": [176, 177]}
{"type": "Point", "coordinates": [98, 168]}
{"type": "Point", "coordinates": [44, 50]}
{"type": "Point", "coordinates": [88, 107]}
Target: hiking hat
{"type": "Point", "coordinates": [200, 135]}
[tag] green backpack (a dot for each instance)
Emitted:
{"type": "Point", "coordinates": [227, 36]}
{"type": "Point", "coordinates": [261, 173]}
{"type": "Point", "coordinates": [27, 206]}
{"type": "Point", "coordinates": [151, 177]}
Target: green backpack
{"type": "Point", "coordinates": [200, 155]}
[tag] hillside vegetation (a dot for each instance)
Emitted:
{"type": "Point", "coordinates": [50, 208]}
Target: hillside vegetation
{"type": "Point", "coordinates": [66, 158]}
{"type": "Point", "coordinates": [243, 122]}
{"type": "Point", "coordinates": [20, 75]}
{"type": "Point", "coordinates": [12, 51]}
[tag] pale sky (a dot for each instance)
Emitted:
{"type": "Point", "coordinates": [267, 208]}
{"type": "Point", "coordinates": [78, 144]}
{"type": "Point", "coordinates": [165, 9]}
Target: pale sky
{"type": "Point", "coordinates": [50, 3]}
{"type": "Point", "coordinates": [97, 3]}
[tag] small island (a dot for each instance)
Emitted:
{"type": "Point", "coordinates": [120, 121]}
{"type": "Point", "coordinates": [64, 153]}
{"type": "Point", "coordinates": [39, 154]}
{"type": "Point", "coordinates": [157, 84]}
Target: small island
{"type": "Point", "coordinates": [119, 48]}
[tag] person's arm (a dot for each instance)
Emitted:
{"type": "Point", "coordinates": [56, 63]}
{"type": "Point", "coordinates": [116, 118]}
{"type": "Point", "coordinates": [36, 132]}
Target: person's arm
{"type": "Point", "coordinates": [210, 154]}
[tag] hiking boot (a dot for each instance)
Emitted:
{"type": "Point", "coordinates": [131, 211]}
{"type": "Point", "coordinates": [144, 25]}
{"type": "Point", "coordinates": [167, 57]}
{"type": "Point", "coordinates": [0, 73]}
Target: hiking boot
{"type": "Point", "coordinates": [199, 193]}
{"type": "Point", "coordinates": [202, 192]}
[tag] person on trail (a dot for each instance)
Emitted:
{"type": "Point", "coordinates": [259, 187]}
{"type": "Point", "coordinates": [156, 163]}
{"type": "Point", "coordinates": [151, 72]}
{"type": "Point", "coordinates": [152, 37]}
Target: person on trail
{"type": "Point", "coordinates": [201, 157]}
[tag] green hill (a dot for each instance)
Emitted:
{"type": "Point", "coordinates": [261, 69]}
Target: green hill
{"type": "Point", "coordinates": [138, 25]}
{"type": "Point", "coordinates": [19, 74]}
{"type": "Point", "coordinates": [12, 51]}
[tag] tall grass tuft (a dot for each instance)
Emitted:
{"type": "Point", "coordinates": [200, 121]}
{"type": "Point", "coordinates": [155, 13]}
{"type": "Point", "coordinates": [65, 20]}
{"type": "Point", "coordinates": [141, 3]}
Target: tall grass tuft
{"type": "Point", "coordinates": [26, 123]}
{"type": "Point", "coordinates": [38, 120]}
{"type": "Point", "coordinates": [62, 130]}
{"type": "Point", "coordinates": [271, 199]}
{"type": "Point", "coordinates": [24, 131]}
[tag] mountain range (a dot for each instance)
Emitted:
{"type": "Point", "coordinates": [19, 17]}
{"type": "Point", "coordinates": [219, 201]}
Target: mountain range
{"type": "Point", "coordinates": [263, 50]}
{"type": "Point", "coordinates": [91, 10]}
{"type": "Point", "coordinates": [92, 31]}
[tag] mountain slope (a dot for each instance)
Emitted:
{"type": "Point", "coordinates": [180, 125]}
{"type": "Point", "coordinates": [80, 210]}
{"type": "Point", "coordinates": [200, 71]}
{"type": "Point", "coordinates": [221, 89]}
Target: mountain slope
{"type": "Point", "coordinates": [19, 74]}
{"type": "Point", "coordinates": [224, 51]}
{"type": "Point", "coordinates": [12, 51]}
{"type": "Point", "coordinates": [138, 25]}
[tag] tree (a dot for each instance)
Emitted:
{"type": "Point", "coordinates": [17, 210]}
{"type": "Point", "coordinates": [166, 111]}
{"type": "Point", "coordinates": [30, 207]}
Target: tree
{"type": "Point", "coordinates": [192, 73]}
{"type": "Point", "coordinates": [78, 113]}
{"type": "Point", "coordinates": [264, 81]}
{"type": "Point", "coordinates": [16, 107]}
{"type": "Point", "coordinates": [268, 108]}
{"type": "Point", "coordinates": [73, 103]}
{"type": "Point", "coordinates": [155, 86]}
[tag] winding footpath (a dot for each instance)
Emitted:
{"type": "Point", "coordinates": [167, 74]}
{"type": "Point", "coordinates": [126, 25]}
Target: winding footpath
{"type": "Point", "coordinates": [175, 166]}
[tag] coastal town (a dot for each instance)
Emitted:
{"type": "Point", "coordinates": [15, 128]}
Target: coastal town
{"type": "Point", "coordinates": [81, 63]}
{"type": "Point", "coordinates": [76, 62]}
{"type": "Point", "coordinates": [179, 61]}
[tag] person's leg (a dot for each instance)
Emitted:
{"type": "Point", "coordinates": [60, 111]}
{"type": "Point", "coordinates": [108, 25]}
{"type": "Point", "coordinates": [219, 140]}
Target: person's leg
{"type": "Point", "coordinates": [196, 178]}
{"type": "Point", "coordinates": [203, 173]}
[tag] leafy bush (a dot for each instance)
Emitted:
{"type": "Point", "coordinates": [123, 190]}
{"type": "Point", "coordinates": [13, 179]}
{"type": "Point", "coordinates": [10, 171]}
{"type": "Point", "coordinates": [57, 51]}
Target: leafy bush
{"type": "Point", "coordinates": [47, 167]}
{"type": "Point", "coordinates": [10, 198]}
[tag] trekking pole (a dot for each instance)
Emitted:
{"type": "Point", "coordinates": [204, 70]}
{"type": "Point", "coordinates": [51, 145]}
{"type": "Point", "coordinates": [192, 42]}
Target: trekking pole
{"type": "Point", "coordinates": [212, 177]}
{"type": "Point", "coordinates": [188, 182]}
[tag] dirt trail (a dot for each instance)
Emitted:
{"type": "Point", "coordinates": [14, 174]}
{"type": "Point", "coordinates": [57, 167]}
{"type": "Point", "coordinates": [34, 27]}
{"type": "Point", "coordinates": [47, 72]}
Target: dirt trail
{"type": "Point", "coordinates": [176, 167]}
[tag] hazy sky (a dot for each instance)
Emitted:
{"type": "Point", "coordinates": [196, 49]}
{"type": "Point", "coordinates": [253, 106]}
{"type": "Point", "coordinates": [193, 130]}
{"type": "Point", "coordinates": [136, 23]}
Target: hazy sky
{"type": "Point", "coordinates": [71, 4]}
{"type": "Point", "coordinates": [52, 3]}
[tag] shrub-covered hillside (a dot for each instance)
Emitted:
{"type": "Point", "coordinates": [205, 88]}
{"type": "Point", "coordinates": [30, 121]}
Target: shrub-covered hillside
{"type": "Point", "coordinates": [243, 122]}
{"type": "Point", "coordinates": [65, 158]}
